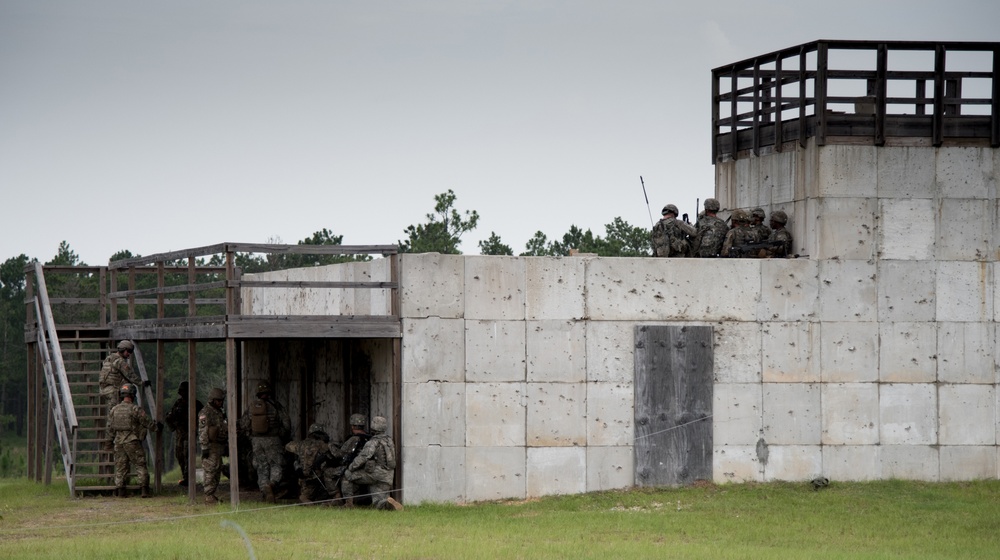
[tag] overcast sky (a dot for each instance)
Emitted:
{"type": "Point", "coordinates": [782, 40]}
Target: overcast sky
{"type": "Point", "coordinates": [157, 126]}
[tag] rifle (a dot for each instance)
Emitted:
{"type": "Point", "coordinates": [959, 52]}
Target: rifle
{"type": "Point", "coordinates": [753, 250]}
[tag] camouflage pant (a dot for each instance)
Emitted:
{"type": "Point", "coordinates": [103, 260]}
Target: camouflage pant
{"type": "Point", "coordinates": [355, 480]}
{"type": "Point", "coordinates": [212, 465]}
{"type": "Point", "coordinates": [126, 454]}
{"type": "Point", "coordinates": [269, 460]}
{"type": "Point", "coordinates": [317, 486]}
{"type": "Point", "coordinates": [181, 452]}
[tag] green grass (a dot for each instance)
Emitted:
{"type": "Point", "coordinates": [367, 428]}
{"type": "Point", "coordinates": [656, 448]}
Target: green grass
{"type": "Point", "coordinates": [890, 519]}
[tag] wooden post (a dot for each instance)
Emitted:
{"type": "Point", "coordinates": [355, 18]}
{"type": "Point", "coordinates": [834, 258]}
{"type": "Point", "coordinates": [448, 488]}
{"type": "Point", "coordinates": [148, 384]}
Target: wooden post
{"type": "Point", "coordinates": [756, 110]}
{"type": "Point", "coordinates": [779, 101]}
{"type": "Point", "coordinates": [715, 117]}
{"type": "Point", "coordinates": [733, 108]}
{"type": "Point", "coordinates": [802, 96]}
{"type": "Point", "coordinates": [995, 101]}
{"type": "Point", "coordinates": [192, 417]}
{"type": "Point", "coordinates": [161, 373]}
{"type": "Point", "coordinates": [881, 82]}
{"type": "Point", "coordinates": [31, 412]}
{"type": "Point", "coordinates": [50, 428]}
{"type": "Point", "coordinates": [231, 386]}
{"type": "Point", "coordinates": [822, 61]}
{"type": "Point", "coordinates": [937, 125]}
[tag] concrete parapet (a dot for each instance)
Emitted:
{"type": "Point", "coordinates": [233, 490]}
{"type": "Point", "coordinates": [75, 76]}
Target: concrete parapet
{"type": "Point", "coordinates": [964, 291]}
{"type": "Point", "coordinates": [906, 229]}
{"type": "Point", "coordinates": [847, 291]}
{"type": "Point", "coordinates": [737, 414]}
{"type": "Point", "coordinates": [965, 353]}
{"type": "Point", "coordinates": [852, 462]}
{"type": "Point", "coordinates": [432, 285]}
{"type": "Point", "coordinates": [736, 463]}
{"type": "Point", "coordinates": [554, 288]}
{"type": "Point", "coordinates": [849, 352]}
{"type": "Point", "coordinates": [610, 414]}
{"type": "Point", "coordinates": [495, 350]}
{"type": "Point", "coordinates": [494, 288]}
{"type": "Point", "coordinates": [910, 462]}
{"type": "Point", "coordinates": [610, 351]}
{"type": "Point", "coordinates": [609, 468]}
{"type": "Point", "coordinates": [789, 290]}
{"type": "Point", "coordinates": [966, 232]}
{"type": "Point", "coordinates": [433, 349]}
{"type": "Point", "coordinates": [556, 351]}
{"type": "Point", "coordinates": [906, 172]}
{"type": "Point", "coordinates": [791, 352]}
{"type": "Point", "coordinates": [737, 352]}
{"type": "Point", "coordinates": [908, 352]}
{"type": "Point", "coordinates": [850, 413]}
{"type": "Point", "coordinates": [966, 172]}
{"type": "Point", "coordinates": [556, 470]}
{"type": "Point", "coordinates": [663, 290]}
{"type": "Point", "coordinates": [557, 414]}
{"type": "Point", "coordinates": [495, 414]}
{"type": "Point", "coordinates": [968, 414]}
{"type": "Point", "coordinates": [793, 462]}
{"type": "Point", "coordinates": [434, 474]}
{"type": "Point", "coordinates": [435, 414]}
{"type": "Point", "coordinates": [846, 171]}
{"type": "Point", "coordinates": [908, 414]}
{"type": "Point", "coordinates": [494, 473]}
{"type": "Point", "coordinates": [792, 413]}
{"type": "Point", "coordinates": [842, 228]}
{"type": "Point", "coordinates": [968, 462]}
{"type": "Point", "coordinates": [907, 290]}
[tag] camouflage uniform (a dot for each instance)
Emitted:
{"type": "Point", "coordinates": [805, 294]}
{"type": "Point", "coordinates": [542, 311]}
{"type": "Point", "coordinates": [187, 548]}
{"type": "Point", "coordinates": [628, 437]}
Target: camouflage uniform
{"type": "Point", "coordinates": [711, 233]}
{"type": "Point", "coordinates": [114, 372]}
{"type": "Point", "coordinates": [781, 234]}
{"type": "Point", "coordinates": [213, 436]}
{"type": "Point", "coordinates": [758, 227]}
{"type": "Point", "coordinates": [317, 475]}
{"type": "Point", "coordinates": [268, 442]}
{"type": "Point", "coordinates": [374, 467]}
{"type": "Point", "coordinates": [177, 420]}
{"type": "Point", "coordinates": [127, 426]}
{"type": "Point", "coordinates": [670, 237]}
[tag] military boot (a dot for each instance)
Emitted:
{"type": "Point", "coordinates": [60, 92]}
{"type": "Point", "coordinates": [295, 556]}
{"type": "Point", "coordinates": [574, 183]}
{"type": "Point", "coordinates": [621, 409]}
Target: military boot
{"type": "Point", "coordinates": [145, 491]}
{"type": "Point", "coordinates": [211, 499]}
{"type": "Point", "coordinates": [392, 505]}
{"type": "Point", "coordinates": [267, 493]}
{"type": "Point", "coordinates": [349, 503]}
{"type": "Point", "coordinates": [121, 492]}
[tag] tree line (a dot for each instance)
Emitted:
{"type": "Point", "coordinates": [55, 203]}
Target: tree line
{"type": "Point", "coordinates": [442, 232]}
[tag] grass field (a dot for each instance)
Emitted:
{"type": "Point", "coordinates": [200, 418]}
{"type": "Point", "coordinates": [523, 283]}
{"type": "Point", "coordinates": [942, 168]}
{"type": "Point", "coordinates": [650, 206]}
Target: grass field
{"type": "Point", "coordinates": [890, 519]}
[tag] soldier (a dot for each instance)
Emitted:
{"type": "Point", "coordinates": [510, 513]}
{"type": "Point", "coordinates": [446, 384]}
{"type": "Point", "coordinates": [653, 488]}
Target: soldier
{"type": "Point", "coordinates": [375, 467]}
{"type": "Point", "coordinates": [350, 449]}
{"type": "Point", "coordinates": [177, 420]}
{"type": "Point", "coordinates": [711, 232]}
{"type": "Point", "coordinates": [115, 371]}
{"type": "Point", "coordinates": [779, 233]}
{"type": "Point", "coordinates": [670, 235]}
{"type": "Point", "coordinates": [127, 426]}
{"type": "Point", "coordinates": [317, 478]}
{"type": "Point", "coordinates": [741, 234]}
{"type": "Point", "coordinates": [268, 426]}
{"type": "Point", "coordinates": [757, 225]}
{"type": "Point", "coordinates": [213, 436]}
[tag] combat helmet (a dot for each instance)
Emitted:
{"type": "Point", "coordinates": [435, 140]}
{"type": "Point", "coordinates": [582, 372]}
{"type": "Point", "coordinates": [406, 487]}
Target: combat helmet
{"type": "Point", "coordinates": [126, 345]}
{"type": "Point", "coordinates": [182, 388]}
{"type": "Point", "coordinates": [779, 216]}
{"type": "Point", "coordinates": [216, 394]}
{"type": "Point", "coordinates": [379, 425]}
{"type": "Point", "coordinates": [358, 420]}
{"type": "Point", "coordinates": [316, 428]}
{"type": "Point", "coordinates": [712, 205]}
{"type": "Point", "coordinates": [263, 387]}
{"type": "Point", "coordinates": [757, 213]}
{"type": "Point", "coordinates": [127, 389]}
{"type": "Point", "coordinates": [670, 208]}
{"type": "Point", "coordinates": [740, 216]}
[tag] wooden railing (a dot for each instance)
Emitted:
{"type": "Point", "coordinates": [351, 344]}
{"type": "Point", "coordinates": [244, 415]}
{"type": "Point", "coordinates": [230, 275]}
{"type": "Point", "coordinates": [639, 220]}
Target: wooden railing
{"type": "Point", "coordinates": [827, 89]}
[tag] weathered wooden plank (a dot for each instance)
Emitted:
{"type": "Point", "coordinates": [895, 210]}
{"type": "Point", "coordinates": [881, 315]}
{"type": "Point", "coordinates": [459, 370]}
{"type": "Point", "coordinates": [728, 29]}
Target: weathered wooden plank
{"type": "Point", "coordinates": [169, 289]}
{"type": "Point", "coordinates": [673, 404]}
{"type": "Point", "coordinates": [193, 252]}
{"type": "Point", "coordinates": [249, 329]}
{"type": "Point", "coordinates": [313, 249]}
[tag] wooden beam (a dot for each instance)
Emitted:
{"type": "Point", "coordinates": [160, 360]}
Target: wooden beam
{"type": "Point", "coordinates": [779, 101]}
{"type": "Point", "coordinates": [822, 62]}
{"type": "Point", "coordinates": [232, 414]}
{"type": "Point", "coordinates": [880, 93]}
{"type": "Point", "coordinates": [802, 97]}
{"type": "Point", "coordinates": [938, 116]}
{"type": "Point", "coordinates": [995, 100]}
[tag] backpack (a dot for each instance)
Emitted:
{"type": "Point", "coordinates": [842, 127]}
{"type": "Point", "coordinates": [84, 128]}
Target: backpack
{"type": "Point", "coordinates": [259, 420]}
